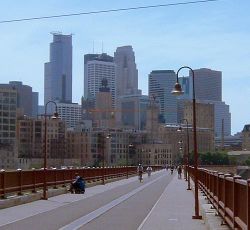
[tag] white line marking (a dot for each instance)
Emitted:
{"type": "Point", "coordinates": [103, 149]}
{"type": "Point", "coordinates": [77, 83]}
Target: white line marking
{"type": "Point", "coordinates": [143, 222]}
{"type": "Point", "coordinates": [98, 212]}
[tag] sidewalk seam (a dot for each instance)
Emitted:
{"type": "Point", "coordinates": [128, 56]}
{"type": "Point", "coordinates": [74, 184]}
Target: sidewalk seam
{"type": "Point", "coordinates": [152, 209]}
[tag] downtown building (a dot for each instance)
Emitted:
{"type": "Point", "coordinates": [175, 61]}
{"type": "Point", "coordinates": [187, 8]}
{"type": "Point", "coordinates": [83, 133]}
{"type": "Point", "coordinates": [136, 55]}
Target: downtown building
{"type": "Point", "coordinates": [71, 113]}
{"type": "Point", "coordinates": [27, 100]}
{"type": "Point", "coordinates": [58, 71]}
{"type": "Point", "coordinates": [126, 71]}
{"type": "Point", "coordinates": [208, 89]}
{"type": "Point", "coordinates": [96, 68]}
{"type": "Point", "coordinates": [16, 100]}
{"type": "Point", "coordinates": [160, 85]}
{"type": "Point", "coordinates": [8, 118]}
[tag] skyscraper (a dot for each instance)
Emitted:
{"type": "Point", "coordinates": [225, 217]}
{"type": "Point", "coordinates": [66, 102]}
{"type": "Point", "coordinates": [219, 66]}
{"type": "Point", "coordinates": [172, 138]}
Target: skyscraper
{"type": "Point", "coordinates": [27, 100]}
{"type": "Point", "coordinates": [97, 68]}
{"type": "Point", "coordinates": [8, 115]}
{"type": "Point", "coordinates": [126, 71]}
{"type": "Point", "coordinates": [208, 84]}
{"type": "Point", "coordinates": [161, 84]}
{"type": "Point", "coordinates": [58, 71]}
{"type": "Point", "coordinates": [208, 89]}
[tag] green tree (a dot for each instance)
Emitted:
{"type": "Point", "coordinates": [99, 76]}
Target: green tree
{"type": "Point", "coordinates": [247, 162]}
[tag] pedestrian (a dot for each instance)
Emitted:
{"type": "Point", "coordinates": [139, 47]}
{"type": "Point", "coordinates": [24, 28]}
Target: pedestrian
{"type": "Point", "coordinates": [172, 169]}
{"type": "Point", "coordinates": [179, 169]}
{"type": "Point", "coordinates": [149, 170]}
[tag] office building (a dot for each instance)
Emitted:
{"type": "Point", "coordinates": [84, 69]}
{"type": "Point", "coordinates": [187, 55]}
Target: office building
{"type": "Point", "coordinates": [221, 113]}
{"type": "Point", "coordinates": [208, 84]}
{"type": "Point", "coordinates": [97, 68]}
{"type": "Point", "coordinates": [104, 114]}
{"type": "Point", "coordinates": [70, 113]}
{"type": "Point", "coordinates": [161, 83]}
{"type": "Point", "coordinates": [204, 114]}
{"type": "Point", "coordinates": [126, 71]}
{"type": "Point", "coordinates": [132, 111]}
{"type": "Point", "coordinates": [58, 71]}
{"type": "Point", "coordinates": [27, 100]}
{"type": "Point", "coordinates": [8, 115]}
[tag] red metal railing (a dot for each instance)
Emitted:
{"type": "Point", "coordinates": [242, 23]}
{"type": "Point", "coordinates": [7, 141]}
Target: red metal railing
{"type": "Point", "coordinates": [16, 182]}
{"type": "Point", "coordinates": [229, 194]}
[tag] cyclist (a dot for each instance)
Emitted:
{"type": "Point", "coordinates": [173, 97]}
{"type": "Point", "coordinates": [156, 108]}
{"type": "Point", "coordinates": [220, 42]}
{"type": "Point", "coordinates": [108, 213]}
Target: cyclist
{"type": "Point", "coordinates": [149, 170]}
{"type": "Point", "coordinates": [140, 171]}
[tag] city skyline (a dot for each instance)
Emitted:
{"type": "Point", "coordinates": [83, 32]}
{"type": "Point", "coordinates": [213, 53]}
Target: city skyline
{"type": "Point", "coordinates": [212, 37]}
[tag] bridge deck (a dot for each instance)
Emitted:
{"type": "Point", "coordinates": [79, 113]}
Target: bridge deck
{"type": "Point", "coordinates": [173, 210]}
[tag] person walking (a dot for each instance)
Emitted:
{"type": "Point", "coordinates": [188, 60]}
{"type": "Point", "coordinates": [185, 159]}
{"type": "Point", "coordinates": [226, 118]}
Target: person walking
{"type": "Point", "coordinates": [172, 169]}
{"type": "Point", "coordinates": [179, 169]}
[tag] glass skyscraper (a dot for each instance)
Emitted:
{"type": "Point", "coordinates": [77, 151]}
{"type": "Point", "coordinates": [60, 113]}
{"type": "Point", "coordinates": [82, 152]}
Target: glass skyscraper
{"type": "Point", "coordinates": [161, 83]}
{"type": "Point", "coordinates": [58, 71]}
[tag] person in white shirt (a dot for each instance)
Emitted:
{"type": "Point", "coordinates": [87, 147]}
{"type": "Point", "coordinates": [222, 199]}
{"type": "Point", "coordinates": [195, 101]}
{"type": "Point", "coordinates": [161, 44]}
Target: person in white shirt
{"type": "Point", "coordinates": [149, 170]}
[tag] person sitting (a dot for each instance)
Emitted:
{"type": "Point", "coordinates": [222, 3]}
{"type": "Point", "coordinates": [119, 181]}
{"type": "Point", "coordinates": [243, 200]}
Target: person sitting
{"type": "Point", "coordinates": [78, 185]}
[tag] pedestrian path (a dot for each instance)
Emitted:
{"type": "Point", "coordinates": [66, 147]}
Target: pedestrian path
{"type": "Point", "coordinates": [173, 210]}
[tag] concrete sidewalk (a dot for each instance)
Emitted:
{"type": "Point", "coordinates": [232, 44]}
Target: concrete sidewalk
{"type": "Point", "coordinates": [173, 210]}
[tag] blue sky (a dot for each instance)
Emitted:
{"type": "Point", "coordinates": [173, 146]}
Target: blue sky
{"type": "Point", "coordinates": [213, 35]}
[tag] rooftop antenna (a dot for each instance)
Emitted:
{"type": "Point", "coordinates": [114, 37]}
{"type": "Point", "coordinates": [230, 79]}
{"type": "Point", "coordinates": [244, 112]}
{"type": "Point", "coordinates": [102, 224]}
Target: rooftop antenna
{"type": "Point", "coordinates": [93, 47]}
{"type": "Point", "coordinates": [102, 47]}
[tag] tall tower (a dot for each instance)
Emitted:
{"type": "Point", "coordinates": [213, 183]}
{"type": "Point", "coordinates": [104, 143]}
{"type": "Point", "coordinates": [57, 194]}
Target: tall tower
{"type": "Point", "coordinates": [58, 71]}
{"type": "Point", "coordinates": [161, 84]}
{"type": "Point", "coordinates": [126, 71]}
{"type": "Point", "coordinates": [208, 84]}
{"type": "Point", "coordinates": [105, 115]}
{"type": "Point", "coordinates": [97, 68]}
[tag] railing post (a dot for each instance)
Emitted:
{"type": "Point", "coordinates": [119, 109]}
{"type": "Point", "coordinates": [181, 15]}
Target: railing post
{"type": "Point", "coordinates": [235, 194]}
{"type": "Point", "coordinates": [64, 185]}
{"type": "Point", "coordinates": [2, 172]}
{"type": "Point", "coordinates": [34, 180]}
{"type": "Point", "coordinates": [248, 204]}
{"type": "Point", "coordinates": [218, 192]}
{"type": "Point", "coordinates": [20, 182]}
{"type": "Point", "coordinates": [55, 177]}
{"type": "Point", "coordinates": [225, 194]}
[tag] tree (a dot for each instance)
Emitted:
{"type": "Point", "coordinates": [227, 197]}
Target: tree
{"type": "Point", "coordinates": [247, 162]}
{"type": "Point", "coordinates": [216, 158]}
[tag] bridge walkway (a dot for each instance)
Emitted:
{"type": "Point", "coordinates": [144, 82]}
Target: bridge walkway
{"type": "Point", "coordinates": [173, 209]}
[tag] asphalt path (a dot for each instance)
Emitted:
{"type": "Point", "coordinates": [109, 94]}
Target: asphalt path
{"type": "Point", "coordinates": [123, 207]}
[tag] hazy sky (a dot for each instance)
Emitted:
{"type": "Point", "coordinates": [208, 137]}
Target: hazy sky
{"type": "Point", "coordinates": [213, 35]}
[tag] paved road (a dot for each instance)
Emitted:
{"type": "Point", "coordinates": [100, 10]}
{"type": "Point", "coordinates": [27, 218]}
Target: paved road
{"type": "Point", "coordinates": [120, 206]}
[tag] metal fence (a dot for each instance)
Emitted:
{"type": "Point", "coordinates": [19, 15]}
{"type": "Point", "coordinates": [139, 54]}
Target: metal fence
{"type": "Point", "coordinates": [229, 194]}
{"type": "Point", "coordinates": [20, 181]}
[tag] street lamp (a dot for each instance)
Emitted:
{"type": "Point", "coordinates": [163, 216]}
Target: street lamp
{"type": "Point", "coordinates": [55, 116]}
{"type": "Point", "coordinates": [188, 154]}
{"type": "Point", "coordinates": [178, 91]}
{"type": "Point", "coordinates": [103, 145]}
{"type": "Point", "coordinates": [130, 147]}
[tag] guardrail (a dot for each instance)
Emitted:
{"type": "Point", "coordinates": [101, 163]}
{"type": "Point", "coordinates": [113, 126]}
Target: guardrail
{"type": "Point", "coordinates": [20, 181]}
{"type": "Point", "coordinates": [229, 194]}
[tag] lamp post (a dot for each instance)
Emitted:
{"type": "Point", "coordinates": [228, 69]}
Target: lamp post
{"type": "Point", "coordinates": [188, 155]}
{"type": "Point", "coordinates": [130, 147]}
{"type": "Point", "coordinates": [45, 197]}
{"type": "Point", "coordinates": [103, 145]}
{"type": "Point", "coordinates": [178, 91]}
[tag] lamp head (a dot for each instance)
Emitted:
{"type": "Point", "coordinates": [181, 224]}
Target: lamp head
{"type": "Point", "coordinates": [55, 115]}
{"type": "Point", "coordinates": [179, 129]}
{"type": "Point", "coordinates": [177, 91]}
